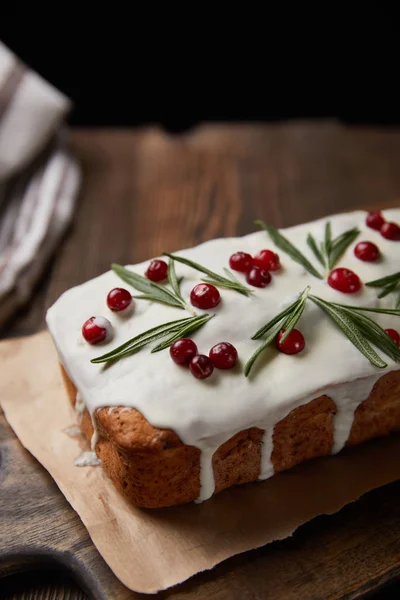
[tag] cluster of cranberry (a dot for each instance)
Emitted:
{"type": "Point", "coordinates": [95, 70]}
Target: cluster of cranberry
{"type": "Point", "coordinates": [346, 281]}
{"type": "Point", "coordinates": [256, 268]}
{"type": "Point", "coordinates": [221, 356]}
{"type": "Point", "coordinates": [99, 329]}
{"type": "Point", "coordinates": [203, 295]}
{"type": "Point", "coordinates": [388, 230]}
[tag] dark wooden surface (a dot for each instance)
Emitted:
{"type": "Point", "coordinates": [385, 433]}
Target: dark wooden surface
{"type": "Point", "coordinates": [144, 193]}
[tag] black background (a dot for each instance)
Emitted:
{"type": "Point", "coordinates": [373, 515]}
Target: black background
{"type": "Point", "coordinates": [181, 72]}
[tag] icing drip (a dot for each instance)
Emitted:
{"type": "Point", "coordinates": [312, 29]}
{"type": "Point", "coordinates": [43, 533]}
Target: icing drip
{"type": "Point", "coordinates": [266, 467]}
{"type": "Point", "coordinates": [87, 459]}
{"type": "Point", "coordinates": [205, 414]}
{"type": "Point", "coordinates": [207, 483]}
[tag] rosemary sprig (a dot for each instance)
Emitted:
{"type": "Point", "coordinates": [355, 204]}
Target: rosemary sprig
{"type": "Point", "coordinates": [232, 283]}
{"type": "Point", "coordinates": [361, 330]}
{"type": "Point", "coordinates": [179, 328]}
{"type": "Point", "coordinates": [287, 320]}
{"type": "Point", "coordinates": [389, 284]}
{"type": "Point", "coordinates": [342, 318]}
{"type": "Point", "coordinates": [331, 250]}
{"type": "Point", "coordinates": [152, 291]}
{"type": "Point", "coordinates": [283, 244]}
{"type": "Point", "coordinates": [357, 327]}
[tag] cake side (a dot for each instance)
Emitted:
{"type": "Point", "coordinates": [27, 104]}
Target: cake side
{"type": "Point", "coordinates": [153, 468]}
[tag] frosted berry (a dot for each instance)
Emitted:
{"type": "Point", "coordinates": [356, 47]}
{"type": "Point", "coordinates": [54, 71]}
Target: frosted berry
{"type": "Point", "coordinates": [344, 280]}
{"type": "Point", "coordinates": [390, 231]}
{"type": "Point", "coordinates": [268, 260]}
{"type": "Point", "coordinates": [223, 355]}
{"type": "Point", "coordinates": [157, 270]}
{"type": "Point", "coordinates": [375, 220]}
{"type": "Point", "coordinates": [241, 261]}
{"type": "Point", "coordinates": [96, 330]}
{"type": "Point", "coordinates": [201, 366]}
{"type": "Point", "coordinates": [204, 295]}
{"type": "Point", "coordinates": [293, 344]}
{"type": "Point", "coordinates": [182, 351]}
{"type": "Point", "coordinates": [118, 299]}
{"type": "Point", "coordinates": [258, 277]}
{"type": "Point", "coordinates": [395, 335]}
{"type": "Point", "coordinates": [367, 251]}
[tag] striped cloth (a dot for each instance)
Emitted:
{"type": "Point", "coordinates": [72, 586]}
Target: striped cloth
{"type": "Point", "coordinates": [39, 179]}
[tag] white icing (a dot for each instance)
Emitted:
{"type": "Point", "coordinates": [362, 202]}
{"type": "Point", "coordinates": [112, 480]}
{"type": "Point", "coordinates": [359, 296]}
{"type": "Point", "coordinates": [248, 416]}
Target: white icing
{"type": "Point", "coordinates": [207, 413]}
{"type": "Point", "coordinates": [72, 431]}
{"type": "Point", "coordinates": [87, 459]}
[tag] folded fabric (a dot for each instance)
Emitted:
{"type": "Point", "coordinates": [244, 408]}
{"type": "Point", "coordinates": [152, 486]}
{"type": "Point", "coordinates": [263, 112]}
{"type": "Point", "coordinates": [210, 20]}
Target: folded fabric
{"type": "Point", "coordinates": [39, 179]}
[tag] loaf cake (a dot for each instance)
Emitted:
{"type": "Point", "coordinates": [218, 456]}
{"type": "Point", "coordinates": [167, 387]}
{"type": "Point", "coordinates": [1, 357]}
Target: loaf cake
{"type": "Point", "coordinates": [286, 348]}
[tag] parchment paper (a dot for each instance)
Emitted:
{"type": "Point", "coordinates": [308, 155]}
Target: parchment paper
{"type": "Point", "coordinates": [150, 550]}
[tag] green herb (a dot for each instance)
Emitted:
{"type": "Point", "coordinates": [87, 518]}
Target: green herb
{"type": "Point", "coordinates": [283, 244]}
{"type": "Point", "coordinates": [339, 245]}
{"type": "Point", "coordinates": [357, 327]}
{"type": "Point", "coordinates": [178, 328]}
{"type": "Point", "coordinates": [389, 284]}
{"type": "Point", "coordinates": [152, 291]}
{"type": "Point", "coordinates": [343, 319]}
{"type": "Point", "coordinates": [331, 250]}
{"type": "Point", "coordinates": [312, 244]}
{"type": "Point", "coordinates": [286, 320]}
{"type": "Point", "coordinates": [232, 283]}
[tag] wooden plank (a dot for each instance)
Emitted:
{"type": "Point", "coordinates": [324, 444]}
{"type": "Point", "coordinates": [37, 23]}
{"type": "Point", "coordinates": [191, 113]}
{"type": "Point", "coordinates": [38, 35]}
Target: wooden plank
{"type": "Point", "coordinates": [145, 192]}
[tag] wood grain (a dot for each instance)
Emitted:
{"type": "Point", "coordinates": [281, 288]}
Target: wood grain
{"type": "Point", "coordinates": [145, 192]}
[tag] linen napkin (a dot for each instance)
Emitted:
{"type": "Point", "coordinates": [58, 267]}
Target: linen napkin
{"type": "Point", "coordinates": [39, 178]}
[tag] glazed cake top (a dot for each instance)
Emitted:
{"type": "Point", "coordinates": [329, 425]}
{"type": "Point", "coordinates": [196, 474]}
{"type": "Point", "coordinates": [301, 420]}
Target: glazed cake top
{"type": "Point", "coordinates": [204, 413]}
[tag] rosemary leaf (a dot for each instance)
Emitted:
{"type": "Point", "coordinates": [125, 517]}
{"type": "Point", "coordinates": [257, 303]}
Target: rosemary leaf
{"type": "Point", "coordinates": [388, 289]}
{"type": "Point", "coordinates": [141, 340]}
{"type": "Point", "coordinates": [385, 311]}
{"type": "Point", "coordinates": [283, 244]}
{"type": "Point", "coordinates": [263, 330]}
{"type": "Point", "coordinates": [397, 305]}
{"type": "Point", "coordinates": [173, 281]}
{"type": "Point", "coordinates": [231, 275]}
{"type": "Point", "coordinates": [292, 320]}
{"type": "Point", "coordinates": [248, 366]}
{"type": "Point", "coordinates": [152, 291]}
{"type": "Point", "coordinates": [214, 278]}
{"type": "Point", "coordinates": [350, 329]}
{"type": "Point", "coordinates": [312, 244]}
{"type": "Point", "coordinates": [376, 335]}
{"type": "Point", "coordinates": [340, 245]}
{"type": "Point", "coordinates": [184, 330]}
{"type": "Point", "coordinates": [327, 242]}
{"type": "Point", "coordinates": [395, 277]}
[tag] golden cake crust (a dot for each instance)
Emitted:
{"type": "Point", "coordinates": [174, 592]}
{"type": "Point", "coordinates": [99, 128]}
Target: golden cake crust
{"type": "Point", "coordinates": [153, 468]}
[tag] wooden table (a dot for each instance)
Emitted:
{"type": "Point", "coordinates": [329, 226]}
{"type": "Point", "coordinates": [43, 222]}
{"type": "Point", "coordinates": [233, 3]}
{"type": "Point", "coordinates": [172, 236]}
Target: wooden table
{"type": "Point", "coordinates": [145, 192]}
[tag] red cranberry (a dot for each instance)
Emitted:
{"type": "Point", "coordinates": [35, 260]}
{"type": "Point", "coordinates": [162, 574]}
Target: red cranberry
{"type": "Point", "coordinates": [118, 299]}
{"type": "Point", "coordinates": [223, 355]}
{"type": "Point", "coordinates": [157, 270]}
{"type": "Point", "coordinates": [182, 351]}
{"type": "Point", "coordinates": [258, 277]}
{"type": "Point", "coordinates": [267, 260]}
{"type": "Point", "coordinates": [367, 251]}
{"type": "Point", "coordinates": [201, 366]}
{"type": "Point", "coordinates": [241, 261]}
{"type": "Point", "coordinates": [395, 335]}
{"type": "Point", "coordinates": [96, 330]}
{"type": "Point", "coordinates": [293, 344]}
{"type": "Point", "coordinates": [390, 231]}
{"type": "Point", "coordinates": [344, 280]}
{"type": "Point", "coordinates": [375, 220]}
{"type": "Point", "coordinates": [204, 295]}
